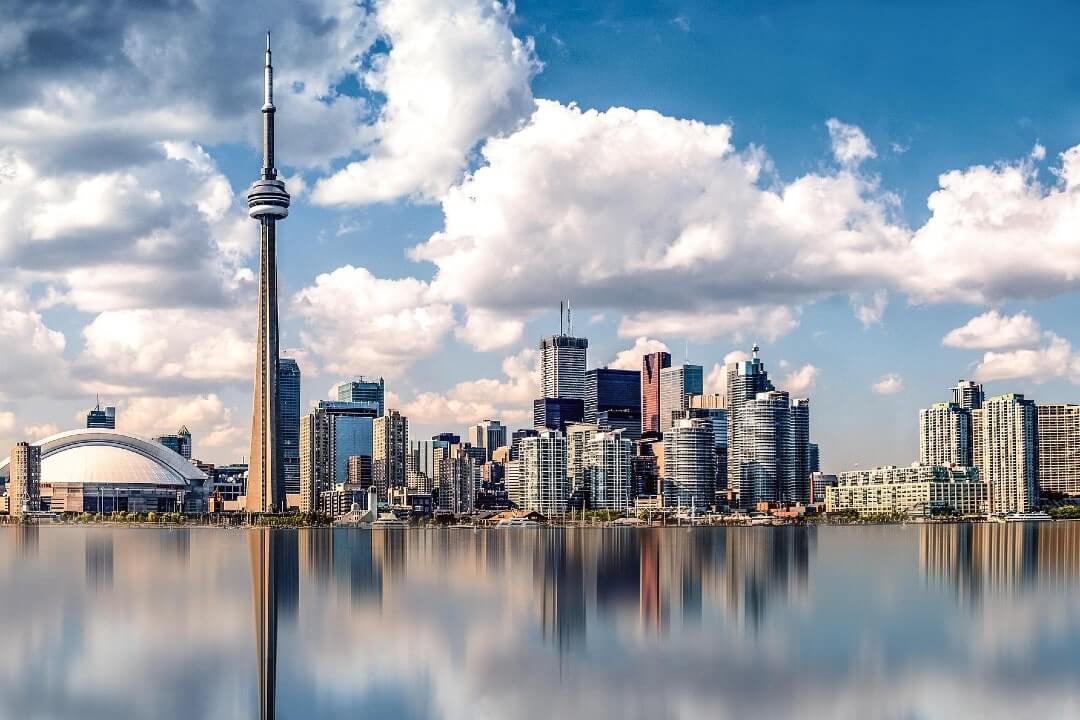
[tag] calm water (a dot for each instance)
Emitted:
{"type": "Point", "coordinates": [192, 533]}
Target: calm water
{"type": "Point", "coordinates": [895, 622]}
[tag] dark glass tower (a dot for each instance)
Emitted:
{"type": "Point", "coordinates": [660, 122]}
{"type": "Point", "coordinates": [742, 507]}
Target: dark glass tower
{"type": "Point", "coordinates": [268, 202]}
{"type": "Point", "coordinates": [289, 417]}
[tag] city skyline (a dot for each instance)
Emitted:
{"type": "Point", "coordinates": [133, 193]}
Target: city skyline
{"type": "Point", "coordinates": [154, 310]}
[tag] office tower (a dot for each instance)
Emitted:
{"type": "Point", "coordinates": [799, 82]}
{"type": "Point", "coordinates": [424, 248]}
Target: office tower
{"type": "Point", "coordinates": [543, 473]}
{"type": "Point", "coordinates": [629, 421]}
{"type": "Point", "coordinates": [268, 202]}
{"type": "Point", "coordinates": [1059, 449]}
{"type": "Point", "coordinates": [945, 435]}
{"type": "Point", "coordinates": [516, 438]}
{"type": "Point", "coordinates": [710, 407]}
{"type": "Point", "coordinates": [101, 418]}
{"type": "Point", "coordinates": [608, 389]}
{"type": "Point", "coordinates": [968, 395]}
{"type": "Point", "coordinates": [447, 437]}
{"type": "Point", "coordinates": [651, 365]}
{"type": "Point", "coordinates": [457, 491]}
{"type": "Point", "coordinates": [362, 389]}
{"type": "Point", "coordinates": [763, 432]}
{"type": "Point", "coordinates": [647, 467]}
{"type": "Point", "coordinates": [24, 483]}
{"type": "Point", "coordinates": [359, 471]}
{"type": "Point", "coordinates": [390, 444]}
{"type": "Point", "coordinates": [577, 437]}
{"type": "Point", "coordinates": [488, 434]}
{"type": "Point", "coordinates": [813, 458]}
{"type": "Point", "coordinates": [606, 460]}
{"type": "Point", "coordinates": [562, 366]}
{"type": "Point", "coordinates": [690, 473]}
{"type": "Point", "coordinates": [556, 413]}
{"type": "Point", "coordinates": [797, 476]}
{"type": "Point", "coordinates": [179, 443]}
{"type": "Point", "coordinates": [1009, 450]}
{"type": "Point", "coordinates": [329, 435]}
{"type": "Point", "coordinates": [289, 417]}
{"type": "Point", "coordinates": [422, 471]}
{"type": "Point", "coordinates": [745, 379]}
{"type": "Point", "coordinates": [677, 384]}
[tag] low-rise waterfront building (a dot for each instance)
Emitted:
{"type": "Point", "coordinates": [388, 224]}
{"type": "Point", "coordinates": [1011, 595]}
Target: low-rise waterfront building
{"type": "Point", "coordinates": [917, 490]}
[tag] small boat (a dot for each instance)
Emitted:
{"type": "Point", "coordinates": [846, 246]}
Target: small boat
{"type": "Point", "coordinates": [1027, 517]}
{"type": "Point", "coordinates": [517, 522]}
{"type": "Point", "coordinates": [761, 519]}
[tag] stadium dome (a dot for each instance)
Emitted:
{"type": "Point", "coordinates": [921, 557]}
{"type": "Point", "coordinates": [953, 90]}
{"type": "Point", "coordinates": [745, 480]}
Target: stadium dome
{"type": "Point", "coordinates": [106, 457]}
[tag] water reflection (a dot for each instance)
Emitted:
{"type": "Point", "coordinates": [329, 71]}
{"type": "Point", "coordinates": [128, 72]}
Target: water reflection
{"type": "Point", "coordinates": [927, 621]}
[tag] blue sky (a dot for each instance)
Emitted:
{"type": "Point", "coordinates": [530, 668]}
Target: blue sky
{"type": "Point", "coordinates": [452, 185]}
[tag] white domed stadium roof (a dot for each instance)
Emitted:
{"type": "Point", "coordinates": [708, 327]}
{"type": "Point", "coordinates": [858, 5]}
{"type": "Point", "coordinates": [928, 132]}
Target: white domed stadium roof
{"type": "Point", "coordinates": [94, 456]}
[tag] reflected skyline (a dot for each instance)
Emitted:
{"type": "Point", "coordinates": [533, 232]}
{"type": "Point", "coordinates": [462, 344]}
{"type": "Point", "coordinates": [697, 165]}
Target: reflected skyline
{"type": "Point", "coordinates": [579, 623]}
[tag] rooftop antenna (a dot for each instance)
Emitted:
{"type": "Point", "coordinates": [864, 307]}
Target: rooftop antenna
{"type": "Point", "coordinates": [569, 319]}
{"type": "Point", "coordinates": [562, 313]}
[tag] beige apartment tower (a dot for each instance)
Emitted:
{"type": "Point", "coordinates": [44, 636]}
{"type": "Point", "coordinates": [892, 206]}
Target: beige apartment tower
{"type": "Point", "coordinates": [1007, 452]}
{"type": "Point", "coordinates": [1059, 449]}
{"type": "Point", "coordinates": [24, 486]}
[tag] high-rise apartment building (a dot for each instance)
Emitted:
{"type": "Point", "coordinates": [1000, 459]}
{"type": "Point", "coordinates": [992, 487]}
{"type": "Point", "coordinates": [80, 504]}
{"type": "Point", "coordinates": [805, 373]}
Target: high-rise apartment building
{"type": "Point", "coordinates": [514, 481]}
{"type": "Point", "coordinates": [489, 435]}
{"type": "Point", "coordinates": [456, 483]}
{"type": "Point", "coordinates": [1008, 451]}
{"type": "Point", "coordinates": [945, 435]}
{"type": "Point", "coordinates": [24, 483]}
{"type": "Point", "coordinates": [763, 434]}
{"type": "Point", "coordinates": [359, 472]}
{"type": "Point", "coordinates": [289, 421]}
{"type": "Point", "coordinates": [101, 418]}
{"type": "Point", "coordinates": [796, 488]}
{"type": "Point", "coordinates": [629, 421]}
{"type": "Point", "coordinates": [577, 438]}
{"type": "Point", "coordinates": [1059, 449]}
{"type": "Point", "coordinates": [543, 473]}
{"type": "Point", "coordinates": [562, 366]}
{"type": "Point", "coordinates": [362, 389]}
{"type": "Point", "coordinates": [390, 444]}
{"type": "Point", "coordinates": [968, 395]}
{"type": "Point", "coordinates": [677, 384]}
{"type": "Point", "coordinates": [710, 407]}
{"type": "Point", "coordinates": [515, 441]}
{"type": "Point", "coordinates": [606, 460]}
{"type": "Point", "coordinates": [745, 379]}
{"type": "Point", "coordinates": [651, 365]}
{"type": "Point", "coordinates": [609, 389]}
{"type": "Point", "coordinates": [690, 475]}
{"type": "Point", "coordinates": [813, 459]}
{"type": "Point", "coordinates": [329, 435]}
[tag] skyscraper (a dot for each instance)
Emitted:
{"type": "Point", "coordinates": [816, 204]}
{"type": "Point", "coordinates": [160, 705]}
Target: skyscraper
{"type": "Point", "coordinates": [945, 434]}
{"type": "Point", "coordinates": [745, 379]}
{"type": "Point", "coordinates": [457, 492]}
{"type": "Point", "coordinates": [609, 389]}
{"type": "Point", "coordinates": [689, 470]}
{"type": "Point", "coordinates": [289, 418]}
{"type": "Point", "coordinates": [577, 438]}
{"type": "Point", "coordinates": [677, 384]}
{"type": "Point", "coordinates": [422, 472]}
{"type": "Point", "coordinates": [268, 202]}
{"type": "Point", "coordinates": [24, 484]}
{"type": "Point", "coordinates": [606, 460]}
{"type": "Point", "coordinates": [390, 443]}
{"type": "Point", "coordinates": [329, 435]}
{"type": "Point", "coordinates": [651, 365]}
{"type": "Point", "coordinates": [968, 395]}
{"type": "Point", "coordinates": [179, 443]}
{"type": "Point", "coordinates": [797, 477]}
{"type": "Point", "coordinates": [764, 440]}
{"type": "Point", "coordinates": [488, 434]}
{"type": "Point", "coordinates": [556, 413]}
{"type": "Point", "coordinates": [543, 473]}
{"type": "Point", "coordinates": [101, 418]}
{"type": "Point", "coordinates": [1059, 449]}
{"type": "Point", "coordinates": [562, 366]}
{"type": "Point", "coordinates": [362, 389]}
{"type": "Point", "coordinates": [1009, 452]}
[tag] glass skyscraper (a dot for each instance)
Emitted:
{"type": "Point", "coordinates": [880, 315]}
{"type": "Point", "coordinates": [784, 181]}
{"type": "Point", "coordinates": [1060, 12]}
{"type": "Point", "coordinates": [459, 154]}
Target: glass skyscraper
{"type": "Point", "coordinates": [609, 389]}
{"type": "Point", "coordinates": [289, 421]}
{"type": "Point", "coordinates": [363, 389]}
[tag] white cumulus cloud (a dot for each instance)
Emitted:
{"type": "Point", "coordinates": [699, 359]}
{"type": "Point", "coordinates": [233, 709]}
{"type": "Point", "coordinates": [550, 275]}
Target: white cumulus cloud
{"type": "Point", "coordinates": [850, 145]}
{"type": "Point", "coordinates": [889, 384]}
{"type": "Point", "coordinates": [994, 330]}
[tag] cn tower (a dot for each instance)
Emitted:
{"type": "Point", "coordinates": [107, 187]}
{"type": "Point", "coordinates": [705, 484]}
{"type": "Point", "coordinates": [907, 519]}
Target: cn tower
{"type": "Point", "coordinates": [268, 202]}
